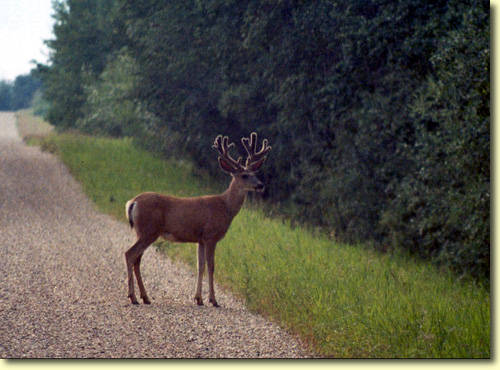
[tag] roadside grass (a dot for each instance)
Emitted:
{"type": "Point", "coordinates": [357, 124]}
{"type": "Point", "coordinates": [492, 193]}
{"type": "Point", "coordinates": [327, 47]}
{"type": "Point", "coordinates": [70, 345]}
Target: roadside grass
{"type": "Point", "coordinates": [346, 301]}
{"type": "Point", "coordinates": [30, 126]}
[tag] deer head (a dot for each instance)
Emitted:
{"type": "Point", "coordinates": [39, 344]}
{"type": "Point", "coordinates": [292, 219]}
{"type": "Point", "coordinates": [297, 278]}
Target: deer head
{"type": "Point", "coordinates": [244, 175]}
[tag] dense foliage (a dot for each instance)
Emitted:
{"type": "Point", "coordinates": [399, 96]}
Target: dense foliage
{"type": "Point", "coordinates": [377, 110]}
{"type": "Point", "coordinates": [20, 93]}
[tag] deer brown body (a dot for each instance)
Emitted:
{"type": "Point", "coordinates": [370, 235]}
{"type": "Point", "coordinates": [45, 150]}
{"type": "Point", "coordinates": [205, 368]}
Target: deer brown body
{"type": "Point", "coordinates": [203, 220]}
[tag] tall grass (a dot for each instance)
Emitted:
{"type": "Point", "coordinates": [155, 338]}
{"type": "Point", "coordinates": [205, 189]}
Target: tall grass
{"type": "Point", "coordinates": [346, 301]}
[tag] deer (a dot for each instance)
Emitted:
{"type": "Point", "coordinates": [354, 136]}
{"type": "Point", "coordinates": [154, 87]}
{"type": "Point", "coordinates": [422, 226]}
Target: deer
{"type": "Point", "coordinates": [203, 220]}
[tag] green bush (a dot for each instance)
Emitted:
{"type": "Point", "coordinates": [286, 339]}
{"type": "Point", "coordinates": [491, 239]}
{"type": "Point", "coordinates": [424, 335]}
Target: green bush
{"type": "Point", "coordinates": [110, 108]}
{"type": "Point", "coordinates": [442, 207]}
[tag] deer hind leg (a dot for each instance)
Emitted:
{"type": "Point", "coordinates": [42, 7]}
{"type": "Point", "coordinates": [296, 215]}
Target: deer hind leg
{"type": "Point", "coordinates": [201, 269]}
{"type": "Point", "coordinates": [137, 270]}
{"type": "Point", "coordinates": [133, 258]}
{"type": "Point", "coordinates": [130, 273]}
{"type": "Point", "coordinates": [210, 257]}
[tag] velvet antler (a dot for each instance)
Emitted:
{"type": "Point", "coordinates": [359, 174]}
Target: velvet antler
{"type": "Point", "coordinates": [255, 158]}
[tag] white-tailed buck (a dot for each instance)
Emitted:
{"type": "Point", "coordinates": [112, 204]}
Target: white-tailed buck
{"type": "Point", "coordinates": [203, 220]}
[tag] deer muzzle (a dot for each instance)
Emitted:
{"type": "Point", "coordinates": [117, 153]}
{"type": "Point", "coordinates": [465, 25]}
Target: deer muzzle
{"type": "Point", "coordinates": [260, 187]}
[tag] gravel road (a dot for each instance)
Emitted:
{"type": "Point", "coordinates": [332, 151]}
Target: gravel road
{"type": "Point", "coordinates": [63, 290]}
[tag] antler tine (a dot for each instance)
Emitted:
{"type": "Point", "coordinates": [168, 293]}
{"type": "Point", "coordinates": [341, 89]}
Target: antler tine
{"type": "Point", "coordinates": [222, 145]}
{"type": "Point", "coordinates": [250, 145]}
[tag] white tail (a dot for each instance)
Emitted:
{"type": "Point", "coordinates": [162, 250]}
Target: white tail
{"type": "Point", "coordinates": [203, 220]}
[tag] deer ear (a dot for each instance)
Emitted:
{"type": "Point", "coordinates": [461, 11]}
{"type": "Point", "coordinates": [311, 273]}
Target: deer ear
{"type": "Point", "coordinates": [225, 166]}
{"type": "Point", "coordinates": [256, 165]}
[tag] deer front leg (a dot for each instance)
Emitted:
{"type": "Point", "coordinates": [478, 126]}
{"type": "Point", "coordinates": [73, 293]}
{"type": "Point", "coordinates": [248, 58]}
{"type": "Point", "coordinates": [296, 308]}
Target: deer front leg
{"type": "Point", "coordinates": [210, 256]}
{"type": "Point", "coordinates": [201, 269]}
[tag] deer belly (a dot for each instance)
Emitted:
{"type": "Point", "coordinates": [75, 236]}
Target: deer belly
{"type": "Point", "coordinates": [178, 239]}
{"type": "Point", "coordinates": [171, 238]}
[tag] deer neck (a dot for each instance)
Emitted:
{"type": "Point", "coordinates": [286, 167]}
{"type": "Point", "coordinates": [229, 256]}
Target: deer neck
{"type": "Point", "coordinates": [234, 197]}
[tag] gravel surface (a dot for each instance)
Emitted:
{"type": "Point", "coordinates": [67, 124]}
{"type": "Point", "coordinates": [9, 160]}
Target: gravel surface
{"type": "Point", "coordinates": [63, 290]}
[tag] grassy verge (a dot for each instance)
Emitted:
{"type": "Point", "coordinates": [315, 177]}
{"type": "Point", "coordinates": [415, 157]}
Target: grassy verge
{"type": "Point", "coordinates": [345, 300]}
{"type": "Point", "coordinates": [30, 126]}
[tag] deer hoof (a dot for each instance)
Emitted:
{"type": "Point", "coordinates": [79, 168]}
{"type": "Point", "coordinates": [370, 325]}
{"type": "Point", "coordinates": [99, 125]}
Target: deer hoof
{"type": "Point", "coordinates": [198, 301]}
{"type": "Point", "coordinates": [146, 300]}
{"type": "Point", "coordinates": [133, 300]}
{"type": "Point", "coordinates": [214, 303]}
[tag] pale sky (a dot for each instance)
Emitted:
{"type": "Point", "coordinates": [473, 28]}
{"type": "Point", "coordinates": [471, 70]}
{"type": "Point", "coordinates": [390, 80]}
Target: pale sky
{"type": "Point", "coordinates": [24, 24]}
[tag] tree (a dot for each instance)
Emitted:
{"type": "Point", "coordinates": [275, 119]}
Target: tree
{"type": "Point", "coordinates": [84, 37]}
{"type": "Point", "coordinates": [23, 91]}
{"type": "Point", "coordinates": [19, 95]}
{"type": "Point", "coordinates": [5, 96]}
{"type": "Point", "coordinates": [442, 209]}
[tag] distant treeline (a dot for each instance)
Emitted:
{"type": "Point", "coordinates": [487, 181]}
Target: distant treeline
{"type": "Point", "coordinates": [18, 94]}
{"type": "Point", "coordinates": [378, 111]}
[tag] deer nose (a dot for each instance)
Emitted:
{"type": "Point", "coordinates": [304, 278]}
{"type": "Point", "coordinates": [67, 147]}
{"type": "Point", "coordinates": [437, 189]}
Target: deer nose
{"type": "Point", "coordinates": [260, 187]}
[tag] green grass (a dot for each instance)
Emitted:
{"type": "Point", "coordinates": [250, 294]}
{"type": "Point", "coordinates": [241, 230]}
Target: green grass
{"type": "Point", "coordinates": [346, 301]}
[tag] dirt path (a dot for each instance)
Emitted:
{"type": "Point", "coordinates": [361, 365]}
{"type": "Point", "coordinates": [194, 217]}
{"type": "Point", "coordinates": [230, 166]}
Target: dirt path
{"type": "Point", "coordinates": [63, 280]}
